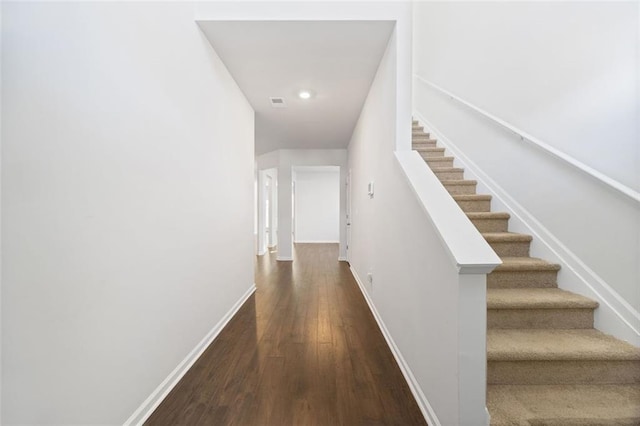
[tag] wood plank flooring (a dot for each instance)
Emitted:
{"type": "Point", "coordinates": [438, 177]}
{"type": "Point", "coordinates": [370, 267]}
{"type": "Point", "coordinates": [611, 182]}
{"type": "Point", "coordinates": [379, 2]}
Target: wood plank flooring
{"type": "Point", "coordinates": [303, 350]}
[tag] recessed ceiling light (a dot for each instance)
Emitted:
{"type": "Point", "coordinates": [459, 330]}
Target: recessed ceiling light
{"type": "Point", "coordinates": [304, 94]}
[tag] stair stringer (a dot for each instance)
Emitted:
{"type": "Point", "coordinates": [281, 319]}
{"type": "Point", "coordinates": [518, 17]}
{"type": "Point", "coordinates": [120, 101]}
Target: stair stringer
{"type": "Point", "coordinates": [615, 316]}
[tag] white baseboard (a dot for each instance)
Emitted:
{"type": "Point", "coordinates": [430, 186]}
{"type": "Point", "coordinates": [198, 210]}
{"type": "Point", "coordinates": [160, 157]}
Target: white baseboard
{"type": "Point", "coordinates": [316, 242]}
{"type": "Point", "coordinates": [416, 390]}
{"type": "Point", "coordinates": [615, 316]}
{"type": "Point", "coordinates": [342, 259]}
{"type": "Point", "coordinates": [284, 258]}
{"type": "Point", "coordinates": [159, 394]}
{"type": "Point", "coordinates": [262, 253]}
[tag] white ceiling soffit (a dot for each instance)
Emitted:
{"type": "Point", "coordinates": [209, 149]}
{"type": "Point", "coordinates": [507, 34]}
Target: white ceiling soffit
{"type": "Point", "coordinates": [335, 60]}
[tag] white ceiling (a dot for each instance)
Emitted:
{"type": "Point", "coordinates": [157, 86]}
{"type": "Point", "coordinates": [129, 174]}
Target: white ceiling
{"type": "Point", "coordinates": [336, 60]}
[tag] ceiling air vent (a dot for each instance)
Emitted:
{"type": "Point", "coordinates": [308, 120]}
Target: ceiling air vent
{"type": "Point", "coordinates": [277, 102]}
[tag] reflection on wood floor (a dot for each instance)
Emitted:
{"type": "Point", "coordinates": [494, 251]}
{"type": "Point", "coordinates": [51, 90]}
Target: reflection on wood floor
{"type": "Point", "coordinates": [303, 350]}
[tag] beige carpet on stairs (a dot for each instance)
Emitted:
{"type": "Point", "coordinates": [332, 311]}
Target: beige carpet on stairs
{"type": "Point", "coordinates": [547, 365]}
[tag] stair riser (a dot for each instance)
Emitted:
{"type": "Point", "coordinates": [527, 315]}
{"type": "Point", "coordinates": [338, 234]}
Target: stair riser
{"type": "Point", "coordinates": [460, 189]}
{"type": "Point", "coordinates": [440, 163]}
{"type": "Point", "coordinates": [475, 206]}
{"type": "Point", "coordinates": [431, 154]}
{"type": "Point", "coordinates": [454, 175]}
{"type": "Point", "coordinates": [424, 143]}
{"type": "Point", "coordinates": [418, 145]}
{"type": "Point", "coordinates": [419, 135]}
{"type": "Point", "coordinates": [491, 225]}
{"type": "Point", "coordinates": [522, 279]}
{"type": "Point", "coordinates": [540, 318]}
{"type": "Point", "coordinates": [562, 372]}
{"type": "Point", "coordinates": [511, 249]}
{"type": "Point", "coordinates": [563, 421]}
{"type": "Point", "coordinates": [415, 128]}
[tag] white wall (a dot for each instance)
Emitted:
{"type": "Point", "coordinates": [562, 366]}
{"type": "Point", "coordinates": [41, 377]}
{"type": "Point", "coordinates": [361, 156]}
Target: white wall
{"type": "Point", "coordinates": [558, 72]}
{"type": "Point", "coordinates": [317, 205]}
{"type": "Point", "coordinates": [124, 242]}
{"type": "Point", "coordinates": [554, 69]}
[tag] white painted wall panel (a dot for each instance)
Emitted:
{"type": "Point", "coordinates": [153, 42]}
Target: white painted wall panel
{"type": "Point", "coordinates": [127, 194]}
{"type": "Point", "coordinates": [565, 72]}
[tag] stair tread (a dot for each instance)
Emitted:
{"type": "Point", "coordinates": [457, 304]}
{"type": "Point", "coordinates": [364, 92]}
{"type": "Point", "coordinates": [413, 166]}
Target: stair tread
{"type": "Point", "coordinates": [472, 197]}
{"type": "Point", "coordinates": [557, 344]}
{"type": "Point", "coordinates": [506, 237]}
{"type": "Point", "coordinates": [564, 405]}
{"type": "Point", "coordinates": [536, 298]}
{"type": "Point", "coordinates": [488, 215]}
{"type": "Point", "coordinates": [525, 264]}
{"type": "Point", "coordinates": [447, 169]}
{"type": "Point", "coordinates": [438, 159]}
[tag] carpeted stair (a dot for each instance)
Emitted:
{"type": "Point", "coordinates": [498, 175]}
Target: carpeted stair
{"type": "Point", "coordinates": [547, 365]}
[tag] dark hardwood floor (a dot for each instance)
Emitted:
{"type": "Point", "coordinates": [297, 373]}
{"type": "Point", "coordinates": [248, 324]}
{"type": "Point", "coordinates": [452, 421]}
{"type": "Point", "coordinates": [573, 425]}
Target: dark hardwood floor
{"type": "Point", "coordinates": [303, 350]}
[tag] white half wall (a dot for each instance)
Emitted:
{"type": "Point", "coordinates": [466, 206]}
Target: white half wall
{"type": "Point", "coordinates": [127, 204]}
{"type": "Point", "coordinates": [580, 97]}
{"type": "Point", "coordinates": [317, 204]}
{"type": "Point", "coordinates": [402, 255]}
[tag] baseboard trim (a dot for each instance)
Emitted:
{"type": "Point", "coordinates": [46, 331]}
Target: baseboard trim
{"type": "Point", "coordinates": [342, 259]}
{"type": "Point", "coordinates": [616, 316]}
{"type": "Point", "coordinates": [284, 259]}
{"type": "Point", "coordinates": [160, 393]}
{"type": "Point", "coordinates": [315, 242]}
{"type": "Point", "coordinates": [416, 390]}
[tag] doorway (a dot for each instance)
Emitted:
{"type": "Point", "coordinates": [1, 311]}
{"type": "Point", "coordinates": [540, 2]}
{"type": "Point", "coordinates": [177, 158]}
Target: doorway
{"type": "Point", "coordinates": [267, 211]}
{"type": "Point", "coordinates": [316, 204]}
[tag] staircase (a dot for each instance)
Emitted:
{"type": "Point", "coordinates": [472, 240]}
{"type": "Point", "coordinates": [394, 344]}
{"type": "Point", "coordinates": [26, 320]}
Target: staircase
{"type": "Point", "coordinates": [547, 365]}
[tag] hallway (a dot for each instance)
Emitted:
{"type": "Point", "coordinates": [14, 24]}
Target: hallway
{"type": "Point", "coordinates": [303, 350]}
